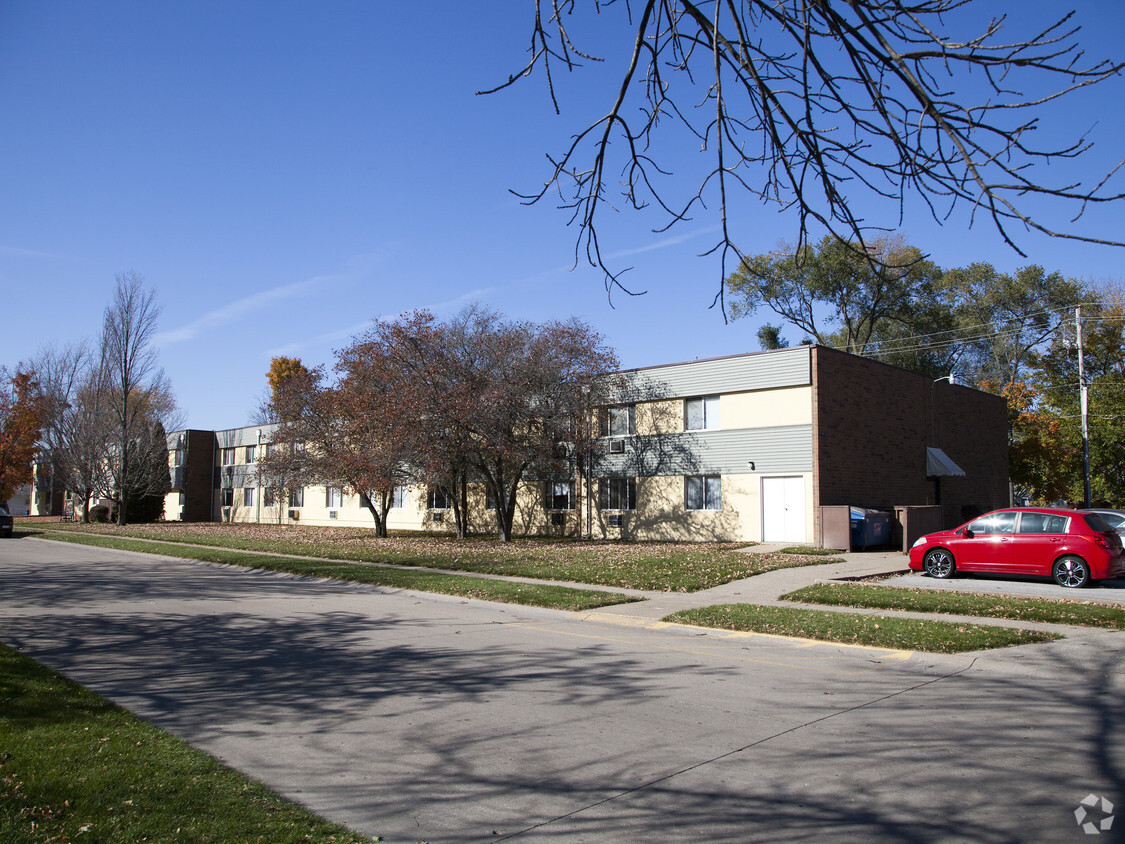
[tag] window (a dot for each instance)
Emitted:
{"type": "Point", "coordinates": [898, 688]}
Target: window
{"type": "Point", "coordinates": [701, 414]}
{"type": "Point", "coordinates": [703, 492]}
{"type": "Point", "coordinates": [560, 495]}
{"type": "Point", "coordinates": [1003, 522]}
{"type": "Point", "coordinates": [248, 497]}
{"type": "Point", "coordinates": [297, 498]}
{"type": "Point", "coordinates": [251, 453]}
{"type": "Point", "coordinates": [333, 497]}
{"type": "Point", "coordinates": [438, 499]}
{"type": "Point", "coordinates": [619, 421]}
{"type": "Point", "coordinates": [1042, 523]}
{"type": "Point", "coordinates": [226, 497]}
{"type": "Point", "coordinates": [178, 457]}
{"type": "Point", "coordinates": [269, 497]}
{"type": "Point", "coordinates": [400, 495]}
{"type": "Point", "coordinates": [617, 493]}
{"type": "Point", "coordinates": [182, 498]}
{"type": "Point", "coordinates": [269, 450]}
{"type": "Point", "coordinates": [228, 456]}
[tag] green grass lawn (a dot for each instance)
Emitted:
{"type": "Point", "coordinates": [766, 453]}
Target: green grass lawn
{"type": "Point", "coordinates": [857, 629]}
{"type": "Point", "coordinates": [75, 768]}
{"type": "Point", "coordinates": [505, 591]}
{"type": "Point", "coordinates": [655, 566]}
{"type": "Point", "coordinates": [1046, 611]}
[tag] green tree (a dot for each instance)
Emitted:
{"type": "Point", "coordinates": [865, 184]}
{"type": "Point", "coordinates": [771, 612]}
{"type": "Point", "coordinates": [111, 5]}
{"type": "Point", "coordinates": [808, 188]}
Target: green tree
{"type": "Point", "coordinates": [1103, 346]}
{"type": "Point", "coordinates": [1005, 321]}
{"type": "Point", "coordinates": [841, 296]}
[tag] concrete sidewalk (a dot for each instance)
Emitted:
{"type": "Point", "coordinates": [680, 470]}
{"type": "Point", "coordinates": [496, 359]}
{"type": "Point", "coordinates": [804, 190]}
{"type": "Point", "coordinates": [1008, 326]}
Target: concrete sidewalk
{"type": "Point", "coordinates": [768, 587]}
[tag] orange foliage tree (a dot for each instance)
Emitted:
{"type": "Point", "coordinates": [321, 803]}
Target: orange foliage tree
{"type": "Point", "coordinates": [20, 427]}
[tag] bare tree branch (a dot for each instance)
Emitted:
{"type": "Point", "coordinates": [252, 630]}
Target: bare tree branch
{"type": "Point", "coordinates": [808, 104]}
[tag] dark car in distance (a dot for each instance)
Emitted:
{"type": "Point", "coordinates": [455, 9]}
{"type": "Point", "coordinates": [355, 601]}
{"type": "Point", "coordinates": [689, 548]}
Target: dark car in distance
{"type": "Point", "coordinates": [7, 523]}
{"type": "Point", "coordinates": [1075, 548]}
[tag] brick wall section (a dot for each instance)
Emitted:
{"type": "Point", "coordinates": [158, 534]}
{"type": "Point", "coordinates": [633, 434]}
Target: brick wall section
{"type": "Point", "coordinates": [872, 424]}
{"type": "Point", "coordinates": [198, 468]}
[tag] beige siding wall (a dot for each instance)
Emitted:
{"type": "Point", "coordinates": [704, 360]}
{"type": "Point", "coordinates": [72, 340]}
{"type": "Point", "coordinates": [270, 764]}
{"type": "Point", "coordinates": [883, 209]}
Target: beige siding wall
{"type": "Point", "coordinates": [766, 408]}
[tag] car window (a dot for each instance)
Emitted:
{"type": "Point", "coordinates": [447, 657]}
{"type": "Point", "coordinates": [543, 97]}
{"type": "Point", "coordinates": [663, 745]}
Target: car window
{"type": "Point", "coordinates": [995, 523]}
{"type": "Point", "coordinates": [1097, 523]}
{"type": "Point", "coordinates": [1042, 523]}
{"type": "Point", "coordinates": [1113, 520]}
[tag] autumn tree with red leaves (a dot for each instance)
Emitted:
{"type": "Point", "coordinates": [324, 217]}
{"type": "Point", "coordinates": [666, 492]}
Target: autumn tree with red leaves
{"type": "Point", "coordinates": [488, 400]}
{"type": "Point", "coordinates": [20, 427]}
{"type": "Point", "coordinates": [476, 399]}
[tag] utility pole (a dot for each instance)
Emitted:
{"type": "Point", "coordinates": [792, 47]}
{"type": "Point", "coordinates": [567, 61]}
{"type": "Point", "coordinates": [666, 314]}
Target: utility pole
{"type": "Point", "coordinates": [1084, 402]}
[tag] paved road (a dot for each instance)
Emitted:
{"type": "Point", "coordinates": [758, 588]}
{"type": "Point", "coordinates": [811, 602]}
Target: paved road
{"type": "Point", "coordinates": [423, 718]}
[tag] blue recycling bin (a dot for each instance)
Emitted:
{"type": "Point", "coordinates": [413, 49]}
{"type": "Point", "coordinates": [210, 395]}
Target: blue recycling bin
{"type": "Point", "coordinates": [869, 528]}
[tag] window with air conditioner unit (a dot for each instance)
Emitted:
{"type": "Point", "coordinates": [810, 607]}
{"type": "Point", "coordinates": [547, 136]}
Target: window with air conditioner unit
{"type": "Point", "coordinates": [618, 421]}
{"type": "Point", "coordinates": [617, 493]}
{"type": "Point", "coordinates": [560, 495]}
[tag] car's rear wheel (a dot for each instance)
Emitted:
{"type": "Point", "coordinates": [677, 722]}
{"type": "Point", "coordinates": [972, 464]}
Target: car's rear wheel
{"type": "Point", "coordinates": [939, 563]}
{"type": "Point", "coordinates": [1071, 572]}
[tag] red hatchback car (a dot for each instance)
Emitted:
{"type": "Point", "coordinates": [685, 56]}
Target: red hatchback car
{"type": "Point", "coordinates": [1074, 548]}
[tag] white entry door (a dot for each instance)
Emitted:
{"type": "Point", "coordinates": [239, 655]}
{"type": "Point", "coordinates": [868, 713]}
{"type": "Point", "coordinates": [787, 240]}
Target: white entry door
{"type": "Point", "coordinates": [783, 510]}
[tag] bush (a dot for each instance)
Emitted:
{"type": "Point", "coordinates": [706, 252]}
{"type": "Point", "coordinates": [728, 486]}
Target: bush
{"type": "Point", "coordinates": [99, 514]}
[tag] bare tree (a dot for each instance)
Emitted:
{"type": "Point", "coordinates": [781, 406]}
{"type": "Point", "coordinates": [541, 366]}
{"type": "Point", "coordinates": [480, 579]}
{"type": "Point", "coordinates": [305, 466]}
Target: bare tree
{"type": "Point", "coordinates": [79, 424]}
{"type": "Point", "coordinates": [809, 104]}
{"type": "Point", "coordinates": [138, 392]}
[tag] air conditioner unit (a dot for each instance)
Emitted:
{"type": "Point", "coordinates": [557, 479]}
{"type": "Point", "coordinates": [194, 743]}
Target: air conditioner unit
{"type": "Point", "coordinates": [617, 446]}
{"type": "Point", "coordinates": [614, 520]}
{"type": "Point", "coordinates": [294, 515]}
{"type": "Point", "coordinates": [439, 516]}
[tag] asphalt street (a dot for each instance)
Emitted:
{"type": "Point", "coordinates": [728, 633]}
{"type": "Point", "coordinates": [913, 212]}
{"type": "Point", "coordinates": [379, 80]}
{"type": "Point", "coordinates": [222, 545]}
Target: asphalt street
{"type": "Point", "coordinates": [419, 717]}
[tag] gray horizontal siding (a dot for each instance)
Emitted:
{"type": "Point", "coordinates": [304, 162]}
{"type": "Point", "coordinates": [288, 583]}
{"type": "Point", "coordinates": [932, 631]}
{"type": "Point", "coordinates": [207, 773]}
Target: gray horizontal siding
{"type": "Point", "coordinates": [782, 449]}
{"type": "Point", "coordinates": [235, 437]}
{"type": "Point", "coordinates": [740, 373]}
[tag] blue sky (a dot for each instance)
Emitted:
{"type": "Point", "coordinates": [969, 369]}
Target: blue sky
{"type": "Point", "coordinates": [282, 173]}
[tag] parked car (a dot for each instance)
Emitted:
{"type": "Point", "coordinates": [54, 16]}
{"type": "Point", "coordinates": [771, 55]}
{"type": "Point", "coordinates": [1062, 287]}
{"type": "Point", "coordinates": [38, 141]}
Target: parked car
{"type": "Point", "coordinates": [6, 521]}
{"type": "Point", "coordinates": [1114, 518]}
{"type": "Point", "coordinates": [1074, 548]}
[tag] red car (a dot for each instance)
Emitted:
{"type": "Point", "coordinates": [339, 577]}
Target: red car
{"type": "Point", "coordinates": [1074, 548]}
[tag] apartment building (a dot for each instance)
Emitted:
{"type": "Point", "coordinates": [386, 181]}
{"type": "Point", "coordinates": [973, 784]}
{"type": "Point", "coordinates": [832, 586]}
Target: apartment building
{"type": "Point", "coordinates": [762, 446]}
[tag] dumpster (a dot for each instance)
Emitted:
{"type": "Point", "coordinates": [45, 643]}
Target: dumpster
{"type": "Point", "coordinates": [869, 528]}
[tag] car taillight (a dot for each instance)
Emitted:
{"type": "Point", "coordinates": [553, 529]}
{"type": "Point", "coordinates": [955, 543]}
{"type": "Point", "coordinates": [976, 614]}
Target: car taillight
{"type": "Point", "coordinates": [1108, 541]}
